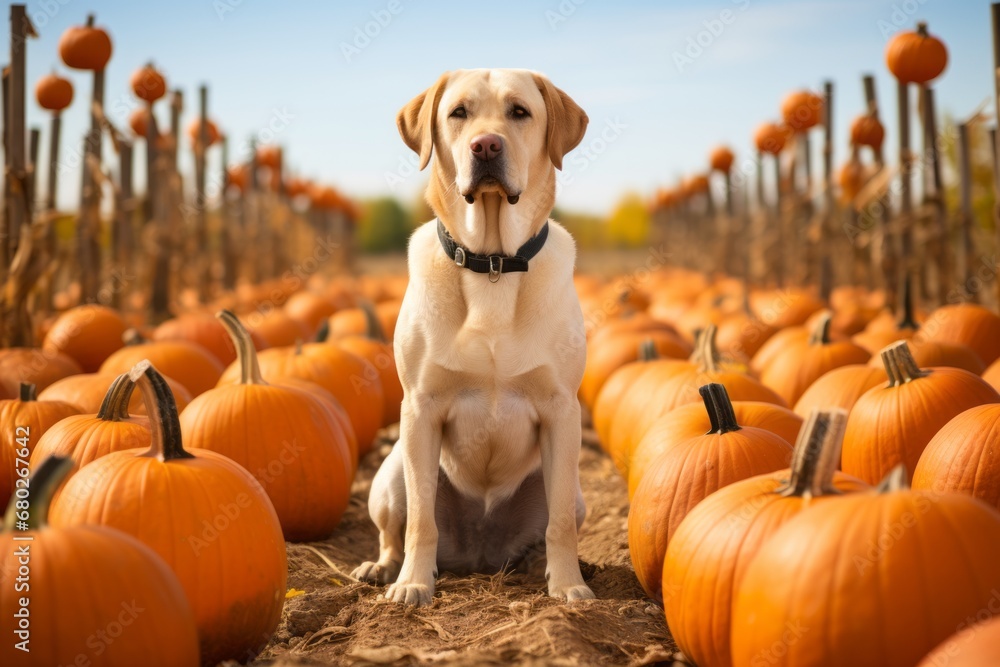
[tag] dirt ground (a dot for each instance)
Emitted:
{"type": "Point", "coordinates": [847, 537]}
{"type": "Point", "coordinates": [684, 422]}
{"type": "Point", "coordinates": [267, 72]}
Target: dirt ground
{"type": "Point", "coordinates": [506, 619]}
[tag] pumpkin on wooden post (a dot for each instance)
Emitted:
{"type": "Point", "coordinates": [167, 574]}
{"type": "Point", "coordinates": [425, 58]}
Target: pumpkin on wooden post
{"type": "Point", "coordinates": [88, 47]}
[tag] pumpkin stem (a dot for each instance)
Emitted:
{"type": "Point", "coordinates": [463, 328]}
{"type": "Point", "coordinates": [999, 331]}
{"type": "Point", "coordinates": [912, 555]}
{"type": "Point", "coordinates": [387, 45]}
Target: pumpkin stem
{"type": "Point", "coordinates": [114, 407]}
{"type": "Point", "coordinates": [816, 455]}
{"type": "Point", "coordinates": [647, 350]}
{"type": "Point", "coordinates": [298, 346]}
{"type": "Point", "coordinates": [922, 29]}
{"type": "Point", "coordinates": [900, 365]}
{"type": "Point", "coordinates": [41, 487]}
{"type": "Point", "coordinates": [373, 326]}
{"type": "Point", "coordinates": [709, 359]}
{"type": "Point", "coordinates": [894, 481]}
{"type": "Point", "coordinates": [246, 354]}
{"type": "Point", "coordinates": [720, 409]}
{"type": "Point", "coordinates": [820, 335]}
{"type": "Point", "coordinates": [162, 410]}
{"type": "Point", "coordinates": [133, 337]}
{"type": "Point", "coordinates": [323, 333]}
{"type": "Point", "coordinates": [90, 20]}
{"type": "Point", "coordinates": [28, 393]}
{"type": "Point", "coordinates": [906, 320]}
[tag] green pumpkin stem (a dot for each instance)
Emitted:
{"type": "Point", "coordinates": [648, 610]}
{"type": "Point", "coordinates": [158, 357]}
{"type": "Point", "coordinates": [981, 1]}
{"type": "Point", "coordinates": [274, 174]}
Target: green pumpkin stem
{"type": "Point", "coordinates": [895, 480]}
{"type": "Point", "coordinates": [820, 334]}
{"type": "Point", "coordinates": [28, 392]}
{"type": "Point", "coordinates": [906, 319]}
{"type": "Point", "coordinates": [816, 455]}
{"type": "Point", "coordinates": [720, 409]}
{"type": "Point", "coordinates": [41, 487]}
{"type": "Point", "coordinates": [162, 410]}
{"type": "Point", "coordinates": [900, 365]}
{"type": "Point", "coordinates": [373, 325]}
{"type": "Point", "coordinates": [647, 350]}
{"type": "Point", "coordinates": [246, 353]}
{"type": "Point", "coordinates": [114, 407]}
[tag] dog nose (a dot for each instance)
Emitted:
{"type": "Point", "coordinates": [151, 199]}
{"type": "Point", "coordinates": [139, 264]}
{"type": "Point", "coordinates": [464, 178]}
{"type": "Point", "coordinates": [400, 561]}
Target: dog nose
{"type": "Point", "coordinates": [486, 146]}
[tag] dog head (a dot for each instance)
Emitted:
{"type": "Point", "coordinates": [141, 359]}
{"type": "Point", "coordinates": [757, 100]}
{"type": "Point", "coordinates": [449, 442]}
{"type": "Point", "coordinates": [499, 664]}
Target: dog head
{"type": "Point", "coordinates": [496, 132]}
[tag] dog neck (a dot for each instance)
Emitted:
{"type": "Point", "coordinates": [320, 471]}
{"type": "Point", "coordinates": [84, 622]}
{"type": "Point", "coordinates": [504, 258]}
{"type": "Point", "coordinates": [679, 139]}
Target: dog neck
{"type": "Point", "coordinates": [490, 225]}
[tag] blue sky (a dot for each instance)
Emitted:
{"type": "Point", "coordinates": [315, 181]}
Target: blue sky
{"type": "Point", "coordinates": [271, 63]}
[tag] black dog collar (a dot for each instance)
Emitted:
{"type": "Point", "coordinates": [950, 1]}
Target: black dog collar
{"type": "Point", "coordinates": [494, 265]}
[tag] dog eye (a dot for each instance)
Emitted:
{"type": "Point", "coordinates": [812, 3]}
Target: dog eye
{"type": "Point", "coordinates": [459, 112]}
{"type": "Point", "coordinates": [519, 112]}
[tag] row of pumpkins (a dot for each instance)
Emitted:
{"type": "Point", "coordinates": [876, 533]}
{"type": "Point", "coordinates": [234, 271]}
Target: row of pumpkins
{"type": "Point", "coordinates": [180, 496]}
{"type": "Point", "coordinates": [819, 554]}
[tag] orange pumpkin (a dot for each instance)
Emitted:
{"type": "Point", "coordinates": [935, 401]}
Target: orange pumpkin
{"type": "Point", "coordinates": [24, 420]}
{"type": "Point", "coordinates": [614, 389]}
{"type": "Point", "coordinates": [54, 92]}
{"type": "Point", "coordinates": [835, 585]}
{"type": "Point", "coordinates": [802, 110]}
{"type": "Point", "coordinates": [939, 353]}
{"type": "Point", "coordinates": [916, 56]}
{"type": "Point", "coordinates": [288, 439]}
{"type": "Point", "coordinates": [992, 375]}
{"type": "Point", "coordinates": [85, 438]}
{"type": "Point", "coordinates": [686, 473]}
{"type": "Point", "coordinates": [206, 331]}
{"type": "Point", "coordinates": [867, 130]}
{"type": "Point", "coordinates": [205, 515]}
{"type": "Point", "coordinates": [713, 546]}
{"type": "Point", "coordinates": [963, 456]}
{"type": "Point", "coordinates": [610, 352]}
{"type": "Point", "coordinates": [785, 307]}
{"type": "Point", "coordinates": [309, 310]}
{"type": "Point", "coordinates": [968, 324]}
{"type": "Point", "coordinates": [851, 178]}
{"type": "Point", "coordinates": [211, 129]}
{"type": "Point", "coordinates": [800, 364]}
{"type": "Point", "coordinates": [892, 424]}
{"type": "Point", "coordinates": [189, 363]}
{"type": "Point", "coordinates": [276, 328]}
{"type": "Point", "coordinates": [373, 348]}
{"type": "Point", "coordinates": [88, 334]}
{"type": "Point", "coordinates": [85, 47]}
{"type": "Point", "coordinates": [721, 159]}
{"type": "Point", "coordinates": [352, 380]}
{"type": "Point", "coordinates": [770, 138]}
{"type": "Point", "coordinates": [148, 84]}
{"type": "Point", "coordinates": [974, 646]}
{"type": "Point", "coordinates": [269, 156]}
{"type": "Point", "coordinates": [107, 582]}
{"type": "Point", "coordinates": [839, 388]}
{"type": "Point", "coordinates": [86, 391]}
{"type": "Point", "coordinates": [666, 385]}
{"type": "Point", "coordinates": [691, 420]}
{"type": "Point", "coordinates": [38, 367]}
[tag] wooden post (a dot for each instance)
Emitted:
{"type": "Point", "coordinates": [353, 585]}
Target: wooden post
{"type": "Point", "coordinates": [31, 179]}
{"type": "Point", "coordinates": [152, 155]}
{"type": "Point", "coordinates": [122, 241]}
{"type": "Point", "coordinates": [905, 244]}
{"type": "Point", "coordinates": [227, 242]}
{"type": "Point", "coordinates": [883, 252]}
{"type": "Point", "coordinates": [204, 256]}
{"type": "Point", "coordinates": [176, 106]}
{"type": "Point", "coordinates": [54, 138]}
{"type": "Point", "coordinates": [159, 298]}
{"type": "Point", "coordinates": [826, 238]}
{"type": "Point", "coordinates": [935, 196]}
{"type": "Point", "coordinates": [965, 207]}
{"type": "Point", "coordinates": [995, 16]}
{"type": "Point", "coordinates": [17, 187]}
{"type": "Point", "coordinates": [88, 225]}
{"type": "Point", "coordinates": [779, 264]}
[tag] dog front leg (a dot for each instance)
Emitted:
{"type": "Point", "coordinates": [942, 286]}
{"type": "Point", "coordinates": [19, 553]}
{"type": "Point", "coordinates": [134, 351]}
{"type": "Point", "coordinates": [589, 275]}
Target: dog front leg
{"type": "Point", "coordinates": [560, 445]}
{"type": "Point", "coordinates": [420, 439]}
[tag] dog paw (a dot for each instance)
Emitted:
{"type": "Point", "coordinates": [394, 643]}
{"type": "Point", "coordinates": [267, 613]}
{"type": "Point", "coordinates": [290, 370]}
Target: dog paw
{"type": "Point", "coordinates": [415, 594]}
{"type": "Point", "coordinates": [376, 573]}
{"type": "Point", "coordinates": [571, 592]}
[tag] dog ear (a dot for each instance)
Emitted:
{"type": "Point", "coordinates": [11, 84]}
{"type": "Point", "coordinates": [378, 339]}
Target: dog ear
{"type": "Point", "coordinates": [416, 121]}
{"type": "Point", "coordinates": [567, 122]}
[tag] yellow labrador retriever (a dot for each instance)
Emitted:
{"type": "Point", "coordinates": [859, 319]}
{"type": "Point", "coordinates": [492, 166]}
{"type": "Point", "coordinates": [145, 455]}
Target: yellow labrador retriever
{"type": "Point", "coordinates": [489, 344]}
